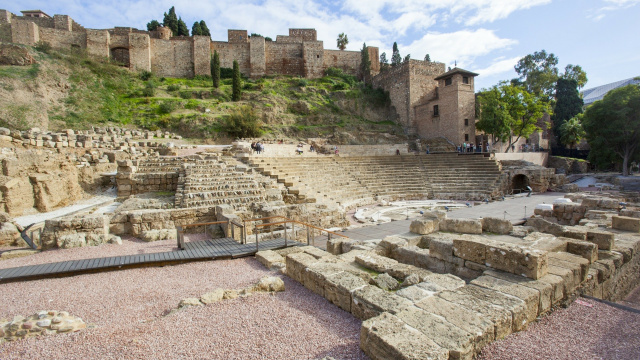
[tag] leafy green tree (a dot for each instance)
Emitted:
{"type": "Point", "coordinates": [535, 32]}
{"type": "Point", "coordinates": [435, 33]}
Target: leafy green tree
{"type": "Point", "coordinates": [236, 94]}
{"type": "Point", "coordinates": [509, 113]}
{"type": "Point", "coordinates": [612, 125]}
{"type": "Point", "coordinates": [575, 72]}
{"type": "Point", "coordinates": [571, 131]}
{"type": "Point", "coordinates": [407, 58]}
{"type": "Point", "coordinates": [183, 30]}
{"type": "Point", "coordinates": [153, 25]}
{"type": "Point", "coordinates": [365, 63]}
{"type": "Point", "coordinates": [538, 72]}
{"type": "Point", "coordinates": [568, 104]}
{"type": "Point", "coordinates": [171, 20]}
{"type": "Point", "coordinates": [342, 41]}
{"type": "Point", "coordinates": [243, 123]}
{"type": "Point", "coordinates": [396, 59]}
{"type": "Point", "coordinates": [215, 69]}
{"type": "Point", "coordinates": [384, 62]}
{"type": "Point", "coordinates": [196, 29]}
{"type": "Point", "coordinates": [204, 29]}
{"type": "Point", "coordinates": [427, 58]}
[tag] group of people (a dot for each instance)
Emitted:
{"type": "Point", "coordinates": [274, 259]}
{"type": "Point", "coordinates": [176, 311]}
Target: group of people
{"type": "Point", "coordinates": [257, 147]}
{"type": "Point", "coordinates": [471, 148]}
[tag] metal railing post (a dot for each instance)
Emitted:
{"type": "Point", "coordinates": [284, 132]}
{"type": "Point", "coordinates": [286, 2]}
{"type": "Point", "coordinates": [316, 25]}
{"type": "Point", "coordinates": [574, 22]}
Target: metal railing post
{"type": "Point", "coordinates": [308, 236]}
{"type": "Point", "coordinates": [244, 232]}
{"type": "Point", "coordinates": [233, 232]}
{"type": "Point", "coordinates": [228, 228]}
{"type": "Point", "coordinates": [285, 234]}
{"type": "Point", "coordinates": [255, 230]}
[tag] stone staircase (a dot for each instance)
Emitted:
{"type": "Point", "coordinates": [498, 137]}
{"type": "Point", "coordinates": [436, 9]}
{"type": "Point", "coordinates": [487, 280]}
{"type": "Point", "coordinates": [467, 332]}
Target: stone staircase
{"type": "Point", "coordinates": [215, 181]}
{"type": "Point", "coordinates": [355, 181]}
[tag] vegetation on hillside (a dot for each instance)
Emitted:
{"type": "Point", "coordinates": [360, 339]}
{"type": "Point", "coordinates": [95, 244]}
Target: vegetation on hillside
{"type": "Point", "coordinates": [100, 93]}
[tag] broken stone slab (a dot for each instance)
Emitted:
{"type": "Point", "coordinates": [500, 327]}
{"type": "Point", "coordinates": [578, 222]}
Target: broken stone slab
{"type": "Point", "coordinates": [386, 282]}
{"type": "Point", "coordinates": [424, 226]}
{"type": "Point", "coordinates": [530, 296]}
{"type": "Point", "coordinates": [463, 226]}
{"type": "Point", "coordinates": [315, 276]}
{"type": "Point", "coordinates": [472, 249]}
{"type": "Point", "coordinates": [546, 242]}
{"type": "Point", "coordinates": [616, 257]}
{"type": "Point", "coordinates": [584, 249]}
{"type": "Point", "coordinates": [625, 223]}
{"type": "Point", "coordinates": [401, 271]}
{"type": "Point", "coordinates": [499, 316]}
{"type": "Point", "coordinates": [459, 342]}
{"type": "Point", "coordinates": [371, 301]}
{"type": "Point", "coordinates": [496, 225]}
{"type": "Point", "coordinates": [339, 287]}
{"type": "Point", "coordinates": [315, 252]}
{"type": "Point", "coordinates": [580, 262]}
{"type": "Point", "coordinates": [390, 243]}
{"type": "Point", "coordinates": [516, 306]}
{"type": "Point", "coordinates": [213, 296]}
{"type": "Point", "coordinates": [545, 289]}
{"type": "Point", "coordinates": [376, 262]}
{"type": "Point", "coordinates": [414, 293]}
{"type": "Point", "coordinates": [269, 284]}
{"type": "Point", "coordinates": [387, 337]}
{"type": "Point", "coordinates": [604, 239]}
{"type": "Point", "coordinates": [270, 259]}
{"type": "Point", "coordinates": [470, 321]}
{"type": "Point", "coordinates": [545, 226]}
{"type": "Point", "coordinates": [435, 283]}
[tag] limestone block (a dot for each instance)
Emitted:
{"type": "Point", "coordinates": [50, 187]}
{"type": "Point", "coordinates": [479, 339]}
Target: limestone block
{"type": "Point", "coordinates": [435, 214]}
{"type": "Point", "coordinates": [568, 279]}
{"type": "Point", "coordinates": [387, 337]}
{"type": "Point", "coordinates": [270, 259]}
{"type": "Point", "coordinates": [297, 264]}
{"type": "Point", "coordinates": [604, 271]}
{"type": "Point", "coordinates": [269, 284]}
{"type": "Point", "coordinates": [496, 225]}
{"type": "Point", "coordinates": [386, 282]}
{"type": "Point", "coordinates": [315, 252]}
{"type": "Point", "coordinates": [213, 296]}
{"type": "Point", "coordinates": [371, 301]}
{"type": "Point", "coordinates": [545, 226]}
{"type": "Point", "coordinates": [459, 342]}
{"type": "Point", "coordinates": [315, 276]}
{"type": "Point", "coordinates": [616, 257]}
{"type": "Point", "coordinates": [520, 312]}
{"type": "Point", "coordinates": [401, 271]}
{"type": "Point", "coordinates": [517, 260]}
{"type": "Point", "coordinates": [391, 243]}
{"type": "Point", "coordinates": [409, 254]}
{"type": "Point", "coordinates": [603, 239]}
{"type": "Point", "coordinates": [545, 242]}
{"type": "Point", "coordinates": [71, 241]}
{"type": "Point", "coordinates": [424, 226]}
{"type": "Point", "coordinates": [464, 226]}
{"type": "Point", "coordinates": [435, 283]}
{"type": "Point", "coordinates": [546, 290]}
{"type": "Point", "coordinates": [470, 321]}
{"type": "Point", "coordinates": [334, 246]}
{"type": "Point", "coordinates": [339, 287]}
{"type": "Point", "coordinates": [376, 262]}
{"type": "Point", "coordinates": [441, 247]}
{"type": "Point", "coordinates": [574, 233]}
{"type": "Point", "coordinates": [585, 249]}
{"type": "Point", "coordinates": [472, 249]}
{"type": "Point", "coordinates": [414, 293]}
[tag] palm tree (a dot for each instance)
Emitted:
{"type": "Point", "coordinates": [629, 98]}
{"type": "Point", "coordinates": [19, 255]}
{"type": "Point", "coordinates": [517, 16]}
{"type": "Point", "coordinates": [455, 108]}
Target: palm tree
{"type": "Point", "coordinates": [571, 132]}
{"type": "Point", "coordinates": [343, 40]}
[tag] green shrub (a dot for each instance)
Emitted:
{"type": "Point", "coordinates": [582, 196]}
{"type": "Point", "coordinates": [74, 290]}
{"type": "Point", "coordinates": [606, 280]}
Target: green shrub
{"type": "Point", "coordinates": [186, 94]}
{"type": "Point", "coordinates": [192, 104]}
{"type": "Point", "coordinates": [202, 78]}
{"type": "Point", "coordinates": [145, 75]}
{"type": "Point", "coordinates": [149, 89]}
{"type": "Point", "coordinates": [303, 82]}
{"type": "Point", "coordinates": [173, 87]}
{"type": "Point", "coordinates": [43, 46]}
{"type": "Point", "coordinates": [340, 86]}
{"type": "Point", "coordinates": [243, 123]}
{"type": "Point", "coordinates": [226, 73]}
{"type": "Point", "coordinates": [166, 107]}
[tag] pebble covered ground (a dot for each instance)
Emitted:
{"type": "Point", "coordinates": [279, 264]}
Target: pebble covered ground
{"type": "Point", "coordinates": [587, 329]}
{"type": "Point", "coordinates": [126, 314]}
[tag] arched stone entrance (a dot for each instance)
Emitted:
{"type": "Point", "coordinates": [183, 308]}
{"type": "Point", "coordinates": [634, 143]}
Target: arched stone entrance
{"type": "Point", "coordinates": [519, 183]}
{"type": "Point", "coordinates": [120, 56]}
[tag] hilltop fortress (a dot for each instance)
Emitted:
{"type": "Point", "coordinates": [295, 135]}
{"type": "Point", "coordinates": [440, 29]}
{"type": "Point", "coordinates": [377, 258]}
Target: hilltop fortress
{"type": "Point", "coordinates": [430, 101]}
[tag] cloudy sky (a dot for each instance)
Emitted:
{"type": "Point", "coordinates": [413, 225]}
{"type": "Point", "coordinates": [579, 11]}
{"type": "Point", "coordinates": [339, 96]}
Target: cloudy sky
{"type": "Point", "coordinates": [485, 36]}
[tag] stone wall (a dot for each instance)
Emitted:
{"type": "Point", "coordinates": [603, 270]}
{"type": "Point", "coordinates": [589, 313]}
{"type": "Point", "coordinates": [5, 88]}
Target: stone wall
{"type": "Point", "coordinates": [284, 58]}
{"type": "Point", "coordinates": [76, 231]}
{"type": "Point", "coordinates": [568, 165]}
{"type": "Point", "coordinates": [158, 175]}
{"type": "Point", "coordinates": [136, 222]}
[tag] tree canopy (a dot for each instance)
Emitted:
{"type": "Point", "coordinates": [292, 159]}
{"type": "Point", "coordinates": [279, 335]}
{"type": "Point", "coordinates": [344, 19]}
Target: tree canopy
{"type": "Point", "coordinates": [568, 103]}
{"type": "Point", "coordinates": [538, 72]}
{"type": "Point", "coordinates": [342, 41]}
{"type": "Point", "coordinates": [613, 126]}
{"type": "Point", "coordinates": [183, 30]}
{"type": "Point", "coordinates": [509, 112]}
{"type": "Point", "coordinates": [365, 62]}
{"type": "Point", "coordinates": [153, 25]}
{"type": "Point", "coordinates": [427, 58]}
{"type": "Point", "coordinates": [571, 131]}
{"type": "Point", "coordinates": [171, 20]}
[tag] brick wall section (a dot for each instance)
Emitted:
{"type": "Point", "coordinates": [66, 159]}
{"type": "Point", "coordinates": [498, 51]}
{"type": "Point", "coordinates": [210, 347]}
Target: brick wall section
{"type": "Point", "coordinates": [201, 55]}
{"type": "Point", "coordinates": [139, 52]}
{"type": "Point", "coordinates": [24, 32]}
{"type": "Point", "coordinates": [63, 22]}
{"type": "Point", "coordinates": [396, 82]}
{"type": "Point", "coordinates": [305, 34]}
{"type": "Point", "coordinates": [284, 58]}
{"type": "Point", "coordinates": [257, 56]}
{"type": "Point", "coordinates": [348, 61]}
{"type": "Point", "coordinates": [63, 39]}
{"type": "Point", "coordinates": [313, 53]}
{"type": "Point", "coordinates": [98, 42]}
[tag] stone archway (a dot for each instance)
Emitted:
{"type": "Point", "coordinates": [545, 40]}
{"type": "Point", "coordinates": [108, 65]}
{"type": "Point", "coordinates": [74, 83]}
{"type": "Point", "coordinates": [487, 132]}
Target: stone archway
{"type": "Point", "coordinates": [519, 183]}
{"type": "Point", "coordinates": [121, 56]}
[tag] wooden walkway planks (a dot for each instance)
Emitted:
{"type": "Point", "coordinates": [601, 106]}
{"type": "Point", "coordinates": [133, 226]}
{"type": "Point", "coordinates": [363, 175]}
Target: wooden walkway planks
{"type": "Point", "coordinates": [211, 249]}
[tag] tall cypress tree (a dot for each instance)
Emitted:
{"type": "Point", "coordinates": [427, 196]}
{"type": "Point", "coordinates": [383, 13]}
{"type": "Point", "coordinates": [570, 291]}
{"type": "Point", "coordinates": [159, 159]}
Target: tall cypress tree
{"type": "Point", "coordinates": [196, 29]}
{"type": "Point", "coordinates": [396, 59]}
{"type": "Point", "coordinates": [237, 82]}
{"type": "Point", "coordinates": [171, 21]}
{"type": "Point", "coordinates": [183, 30]}
{"type": "Point", "coordinates": [568, 103]}
{"type": "Point", "coordinates": [215, 69]}
{"type": "Point", "coordinates": [365, 62]}
{"type": "Point", "coordinates": [204, 28]}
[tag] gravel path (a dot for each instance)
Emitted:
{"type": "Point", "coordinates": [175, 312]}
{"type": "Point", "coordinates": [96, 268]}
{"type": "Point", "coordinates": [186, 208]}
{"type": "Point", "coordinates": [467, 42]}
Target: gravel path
{"type": "Point", "coordinates": [577, 332]}
{"type": "Point", "coordinates": [125, 311]}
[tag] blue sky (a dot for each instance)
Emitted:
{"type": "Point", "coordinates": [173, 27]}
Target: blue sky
{"type": "Point", "coordinates": [485, 36]}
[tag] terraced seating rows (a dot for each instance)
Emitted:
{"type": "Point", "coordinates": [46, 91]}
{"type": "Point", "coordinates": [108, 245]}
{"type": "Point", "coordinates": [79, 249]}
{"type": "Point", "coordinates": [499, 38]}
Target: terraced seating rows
{"type": "Point", "coordinates": [353, 181]}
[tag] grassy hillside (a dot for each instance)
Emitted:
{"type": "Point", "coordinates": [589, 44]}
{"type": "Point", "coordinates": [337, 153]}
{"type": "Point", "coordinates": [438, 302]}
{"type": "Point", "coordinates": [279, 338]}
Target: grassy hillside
{"type": "Point", "coordinates": [66, 89]}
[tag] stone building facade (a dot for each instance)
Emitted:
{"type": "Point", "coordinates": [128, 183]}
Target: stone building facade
{"type": "Point", "coordinates": [298, 54]}
{"type": "Point", "coordinates": [430, 101]}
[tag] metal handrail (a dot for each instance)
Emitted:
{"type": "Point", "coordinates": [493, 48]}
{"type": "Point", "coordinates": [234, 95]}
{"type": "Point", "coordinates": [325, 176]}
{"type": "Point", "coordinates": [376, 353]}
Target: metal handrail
{"type": "Point", "coordinates": [286, 221]}
{"type": "Point", "coordinates": [230, 230]}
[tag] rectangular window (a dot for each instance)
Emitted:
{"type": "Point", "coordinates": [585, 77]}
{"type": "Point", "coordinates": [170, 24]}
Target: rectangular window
{"type": "Point", "coordinates": [465, 79]}
{"type": "Point", "coordinates": [466, 137]}
{"type": "Point", "coordinates": [435, 110]}
{"type": "Point", "coordinates": [447, 81]}
{"type": "Point", "coordinates": [466, 122]}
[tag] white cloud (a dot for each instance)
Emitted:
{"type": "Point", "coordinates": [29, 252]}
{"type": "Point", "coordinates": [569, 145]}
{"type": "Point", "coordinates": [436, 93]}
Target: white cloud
{"type": "Point", "coordinates": [461, 46]}
{"type": "Point", "coordinates": [611, 5]}
{"type": "Point", "coordinates": [498, 67]}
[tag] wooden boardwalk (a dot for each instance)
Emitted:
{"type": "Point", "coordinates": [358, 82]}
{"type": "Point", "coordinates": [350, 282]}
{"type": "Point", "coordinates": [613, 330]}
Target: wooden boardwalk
{"type": "Point", "coordinates": [211, 249]}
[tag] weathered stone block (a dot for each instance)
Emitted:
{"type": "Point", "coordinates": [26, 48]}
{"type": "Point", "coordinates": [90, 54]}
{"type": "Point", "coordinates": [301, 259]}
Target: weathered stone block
{"type": "Point", "coordinates": [387, 337]}
{"type": "Point", "coordinates": [471, 249]}
{"type": "Point", "coordinates": [270, 259]}
{"type": "Point", "coordinates": [441, 247]}
{"type": "Point", "coordinates": [545, 226]}
{"type": "Point", "coordinates": [315, 276]}
{"type": "Point", "coordinates": [435, 283]}
{"type": "Point", "coordinates": [424, 226]}
{"type": "Point", "coordinates": [625, 223]}
{"type": "Point", "coordinates": [371, 301]}
{"type": "Point", "coordinates": [496, 225]}
{"type": "Point", "coordinates": [297, 264]}
{"type": "Point", "coordinates": [516, 306]}
{"type": "Point", "coordinates": [339, 287]}
{"type": "Point", "coordinates": [585, 249]}
{"type": "Point", "coordinates": [531, 297]}
{"type": "Point", "coordinates": [463, 226]}
{"type": "Point", "coordinates": [545, 289]}
{"type": "Point", "coordinates": [376, 262]}
{"type": "Point", "coordinates": [603, 239]}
